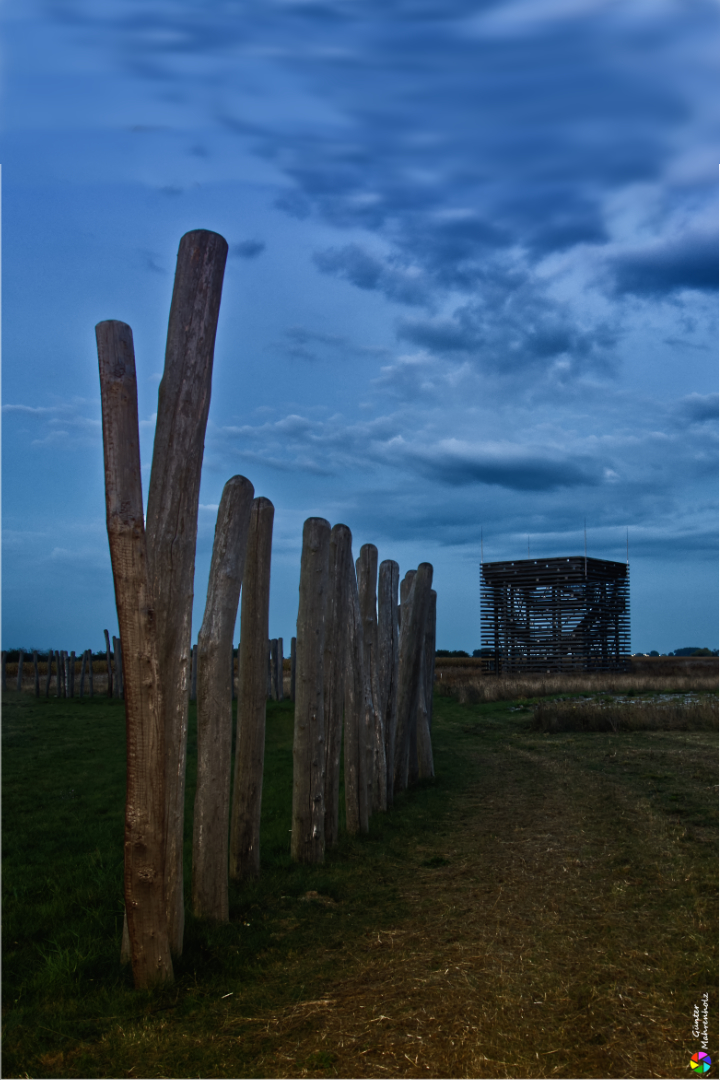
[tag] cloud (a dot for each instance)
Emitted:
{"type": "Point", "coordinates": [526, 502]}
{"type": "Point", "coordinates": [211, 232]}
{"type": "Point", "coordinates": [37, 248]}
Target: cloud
{"type": "Point", "coordinates": [698, 408]}
{"type": "Point", "coordinates": [687, 262]}
{"type": "Point", "coordinates": [403, 284]}
{"type": "Point", "coordinates": [519, 468]}
{"type": "Point", "coordinates": [247, 249]}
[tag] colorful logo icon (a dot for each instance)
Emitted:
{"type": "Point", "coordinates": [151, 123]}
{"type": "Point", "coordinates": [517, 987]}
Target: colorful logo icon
{"type": "Point", "coordinates": [700, 1063]}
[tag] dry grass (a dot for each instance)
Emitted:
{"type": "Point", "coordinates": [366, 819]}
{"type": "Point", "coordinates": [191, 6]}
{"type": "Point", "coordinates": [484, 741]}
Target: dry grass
{"type": "Point", "coordinates": [468, 688]}
{"type": "Point", "coordinates": [610, 714]}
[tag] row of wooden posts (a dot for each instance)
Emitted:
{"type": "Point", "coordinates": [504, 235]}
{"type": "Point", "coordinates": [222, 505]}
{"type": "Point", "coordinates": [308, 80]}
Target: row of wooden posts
{"type": "Point", "coordinates": [358, 674]}
{"type": "Point", "coordinates": [65, 664]}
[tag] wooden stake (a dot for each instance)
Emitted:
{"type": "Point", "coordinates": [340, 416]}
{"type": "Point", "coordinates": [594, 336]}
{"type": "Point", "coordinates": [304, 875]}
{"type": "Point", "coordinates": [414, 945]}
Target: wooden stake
{"type": "Point", "coordinates": [367, 572]}
{"type": "Point", "coordinates": [411, 650]}
{"type": "Point", "coordinates": [388, 659]}
{"type": "Point", "coordinates": [293, 645]}
{"type": "Point", "coordinates": [172, 515]}
{"type": "Point", "coordinates": [307, 843]}
{"type": "Point", "coordinates": [252, 696]}
{"type": "Point", "coordinates": [144, 811]}
{"type": "Point", "coordinates": [358, 709]}
{"type": "Point", "coordinates": [109, 663]}
{"type": "Point", "coordinates": [214, 703]}
{"type": "Point", "coordinates": [334, 661]}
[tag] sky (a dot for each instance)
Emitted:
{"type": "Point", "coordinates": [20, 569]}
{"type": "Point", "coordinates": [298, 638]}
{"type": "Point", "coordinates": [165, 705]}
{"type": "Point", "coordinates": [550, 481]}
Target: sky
{"type": "Point", "coordinates": [471, 289]}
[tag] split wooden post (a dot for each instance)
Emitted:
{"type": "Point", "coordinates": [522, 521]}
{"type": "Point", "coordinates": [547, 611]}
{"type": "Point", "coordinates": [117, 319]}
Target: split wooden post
{"type": "Point", "coordinates": [214, 702]}
{"type": "Point", "coordinates": [193, 673]}
{"type": "Point", "coordinates": [252, 696]}
{"type": "Point", "coordinates": [367, 574]}
{"type": "Point", "coordinates": [388, 660]}
{"type": "Point", "coordinates": [334, 660]}
{"type": "Point", "coordinates": [145, 806]}
{"type": "Point", "coordinates": [279, 670]}
{"type": "Point", "coordinates": [307, 843]}
{"type": "Point", "coordinates": [90, 671]}
{"type": "Point", "coordinates": [172, 516]}
{"type": "Point", "coordinates": [358, 707]}
{"type": "Point", "coordinates": [21, 657]}
{"type": "Point", "coordinates": [36, 672]}
{"type": "Point", "coordinates": [293, 654]}
{"type": "Point", "coordinates": [109, 664]}
{"type": "Point", "coordinates": [411, 650]}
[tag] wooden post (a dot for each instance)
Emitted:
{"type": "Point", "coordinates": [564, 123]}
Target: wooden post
{"type": "Point", "coordinates": [406, 595]}
{"type": "Point", "coordinates": [388, 659]}
{"type": "Point", "coordinates": [36, 673]}
{"type": "Point", "coordinates": [48, 676]}
{"type": "Point", "coordinates": [430, 646]}
{"type": "Point", "coordinates": [307, 843]}
{"type": "Point", "coordinates": [334, 660]}
{"type": "Point", "coordinates": [193, 673]}
{"type": "Point", "coordinates": [82, 673]}
{"type": "Point", "coordinates": [367, 573]}
{"type": "Point", "coordinates": [90, 671]}
{"type": "Point", "coordinates": [62, 669]}
{"type": "Point", "coordinates": [279, 661]}
{"type": "Point", "coordinates": [109, 664]}
{"type": "Point", "coordinates": [357, 705]}
{"type": "Point", "coordinates": [71, 670]}
{"type": "Point", "coordinates": [252, 696]}
{"type": "Point", "coordinates": [272, 669]}
{"type": "Point", "coordinates": [172, 515]}
{"type": "Point", "coordinates": [293, 654]}
{"type": "Point", "coordinates": [214, 703]}
{"type": "Point", "coordinates": [411, 650]}
{"type": "Point", "coordinates": [21, 656]}
{"type": "Point", "coordinates": [145, 805]}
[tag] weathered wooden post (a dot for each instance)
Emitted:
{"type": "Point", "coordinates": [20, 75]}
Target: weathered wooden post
{"type": "Point", "coordinates": [358, 708]}
{"type": "Point", "coordinates": [145, 806]}
{"type": "Point", "coordinates": [307, 842]}
{"type": "Point", "coordinates": [334, 660]}
{"type": "Point", "coordinates": [48, 676]}
{"type": "Point", "coordinates": [193, 673]}
{"type": "Point", "coordinates": [172, 515]}
{"type": "Point", "coordinates": [367, 573]}
{"type": "Point", "coordinates": [406, 595]}
{"type": "Point", "coordinates": [252, 696]}
{"type": "Point", "coordinates": [214, 703]}
{"type": "Point", "coordinates": [388, 660]}
{"type": "Point", "coordinates": [62, 676]}
{"type": "Point", "coordinates": [280, 658]}
{"type": "Point", "coordinates": [21, 657]}
{"type": "Point", "coordinates": [293, 646]}
{"type": "Point", "coordinates": [109, 664]}
{"type": "Point", "coordinates": [411, 650]}
{"type": "Point", "coordinates": [83, 666]}
{"type": "Point", "coordinates": [36, 672]}
{"type": "Point", "coordinates": [90, 671]}
{"type": "Point", "coordinates": [71, 667]}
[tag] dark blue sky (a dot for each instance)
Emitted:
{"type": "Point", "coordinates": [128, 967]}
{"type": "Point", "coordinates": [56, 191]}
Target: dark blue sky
{"type": "Point", "coordinates": [472, 284]}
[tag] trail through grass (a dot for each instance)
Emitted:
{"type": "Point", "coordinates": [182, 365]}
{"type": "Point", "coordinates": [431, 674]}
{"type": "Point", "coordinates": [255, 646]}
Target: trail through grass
{"type": "Point", "coordinates": [547, 907]}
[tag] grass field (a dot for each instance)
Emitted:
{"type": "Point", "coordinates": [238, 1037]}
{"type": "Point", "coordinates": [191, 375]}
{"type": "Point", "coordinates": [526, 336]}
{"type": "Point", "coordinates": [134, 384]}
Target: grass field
{"type": "Point", "coordinates": [546, 908]}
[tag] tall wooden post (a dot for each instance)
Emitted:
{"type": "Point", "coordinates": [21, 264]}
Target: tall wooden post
{"type": "Point", "coordinates": [293, 654]}
{"type": "Point", "coordinates": [334, 661]}
{"type": "Point", "coordinates": [358, 708]}
{"type": "Point", "coordinates": [367, 573]}
{"type": "Point", "coordinates": [214, 703]}
{"type": "Point", "coordinates": [145, 806]}
{"type": "Point", "coordinates": [252, 696]}
{"type": "Point", "coordinates": [280, 658]}
{"type": "Point", "coordinates": [36, 672]}
{"type": "Point", "coordinates": [307, 842]}
{"type": "Point", "coordinates": [411, 650]}
{"type": "Point", "coordinates": [388, 660]}
{"type": "Point", "coordinates": [21, 657]}
{"type": "Point", "coordinates": [172, 515]}
{"type": "Point", "coordinates": [109, 664]}
{"type": "Point", "coordinates": [426, 765]}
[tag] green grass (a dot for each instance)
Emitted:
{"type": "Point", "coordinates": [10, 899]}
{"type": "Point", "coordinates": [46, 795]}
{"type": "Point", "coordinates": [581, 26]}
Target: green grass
{"type": "Point", "coordinates": [462, 901]}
